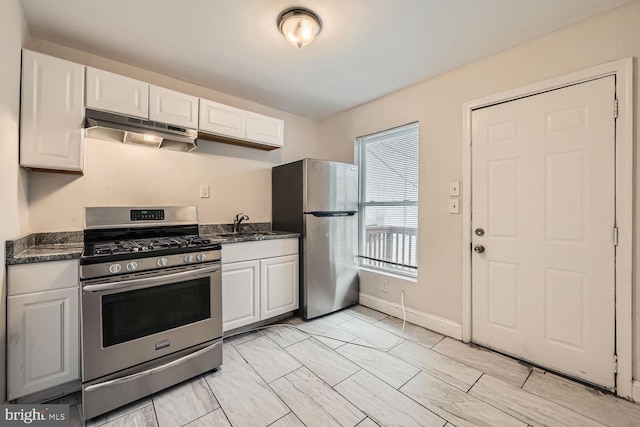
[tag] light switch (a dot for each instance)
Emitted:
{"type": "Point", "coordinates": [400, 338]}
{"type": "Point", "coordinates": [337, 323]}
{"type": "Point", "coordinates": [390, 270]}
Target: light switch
{"type": "Point", "coordinates": [454, 206]}
{"type": "Point", "coordinates": [204, 191]}
{"type": "Point", "coordinates": [454, 188]}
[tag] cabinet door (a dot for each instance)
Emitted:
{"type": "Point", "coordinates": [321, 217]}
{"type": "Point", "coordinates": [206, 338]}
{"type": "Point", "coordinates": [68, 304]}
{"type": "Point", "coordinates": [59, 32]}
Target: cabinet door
{"type": "Point", "coordinates": [222, 119]}
{"type": "Point", "coordinates": [51, 134]}
{"type": "Point", "coordinates": [174, 108]}
{"type": "Point", "coordinates": [118, 94]}
{"type": "Point", "coordinates": [240, 294]}
{"type": "Point", "coordinates": [43, 345]}
{"type": "Point", "coordinates": [265, 129]}
{"type": "Point", "coordinates": [279, 285]}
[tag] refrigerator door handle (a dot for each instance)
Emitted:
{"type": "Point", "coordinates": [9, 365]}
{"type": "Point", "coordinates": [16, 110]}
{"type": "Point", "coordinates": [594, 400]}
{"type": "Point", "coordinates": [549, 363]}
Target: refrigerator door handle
{"type": "Point", "coordinates": [329, 214]}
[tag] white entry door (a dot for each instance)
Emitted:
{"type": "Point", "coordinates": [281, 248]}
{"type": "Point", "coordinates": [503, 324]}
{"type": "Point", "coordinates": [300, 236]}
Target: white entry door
{"type": "Point", "coordinates": [543, 210]}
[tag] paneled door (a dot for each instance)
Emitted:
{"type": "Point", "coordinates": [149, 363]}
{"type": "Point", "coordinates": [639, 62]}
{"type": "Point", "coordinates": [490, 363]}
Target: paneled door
{"type": "Point", "coordinates": [543, 218]}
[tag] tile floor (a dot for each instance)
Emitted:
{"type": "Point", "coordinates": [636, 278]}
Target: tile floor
{"type": "Point", "coordinates": [285, 377]}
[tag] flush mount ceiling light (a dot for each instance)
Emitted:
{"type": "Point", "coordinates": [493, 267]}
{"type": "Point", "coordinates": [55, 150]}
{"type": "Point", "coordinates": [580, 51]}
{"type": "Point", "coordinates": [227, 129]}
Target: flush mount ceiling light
{"type": "Point", "coordinates": [299, 25]}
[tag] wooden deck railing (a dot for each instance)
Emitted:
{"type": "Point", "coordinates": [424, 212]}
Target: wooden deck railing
{"type": "Point", "coordinates": [394, 244]}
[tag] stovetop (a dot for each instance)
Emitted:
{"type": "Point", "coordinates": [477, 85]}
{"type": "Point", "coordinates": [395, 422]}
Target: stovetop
{"type": "Point", "coordinates": [139, 247]}
{"type": "Point", "coordinates": [121, 240]}
{"type": "Point", "coordinates": [146, 245]}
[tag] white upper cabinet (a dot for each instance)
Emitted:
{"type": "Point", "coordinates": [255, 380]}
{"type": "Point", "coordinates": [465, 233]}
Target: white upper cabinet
{"type": "Point", "coordinates": [174, 108]}
{"type": "Point", "coordinates": [52, 112]}
{"type": "Point", "coordinates": [222, 119]}
{"type": "Point", "coordinates": [264, 129]}
{"type": "Point", "coordinates": [115, 93]}
{"type": "Point", "coordinates": [239, 127]}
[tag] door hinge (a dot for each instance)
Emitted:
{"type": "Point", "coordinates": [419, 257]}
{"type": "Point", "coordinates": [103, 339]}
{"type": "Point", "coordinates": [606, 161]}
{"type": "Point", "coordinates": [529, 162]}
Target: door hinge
{"type": "Point", "coordinates": [615, 107]}
{"type": "Point", "coordinates": [615, 236]}
{"type": "Point", "coordinates": [615, 363]}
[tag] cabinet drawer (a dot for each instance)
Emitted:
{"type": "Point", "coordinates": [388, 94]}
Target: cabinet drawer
{"type": "Point", "coordinates": [41, 276]}
{"type": "Point", "coordinates": [245, 251]}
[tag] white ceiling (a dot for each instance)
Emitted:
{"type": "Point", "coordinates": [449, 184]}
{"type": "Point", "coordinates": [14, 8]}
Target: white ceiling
{"type": "Point", "coordinates": [367, 48]}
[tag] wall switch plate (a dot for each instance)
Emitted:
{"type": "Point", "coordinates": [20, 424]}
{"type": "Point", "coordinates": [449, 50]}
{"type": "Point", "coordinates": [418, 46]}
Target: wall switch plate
{"type": "Point", "coordinates": [454, 206]}
{"type": "Point", "coordinates": [383, 287]}
{"type": "Point", "coordinates": [204, 191]}
{"type": "Point", "coordinates": [454, 188]}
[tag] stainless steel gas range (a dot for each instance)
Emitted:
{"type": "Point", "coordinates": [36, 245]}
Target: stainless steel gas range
{"type": "Point", "coordinates": [151, 302]}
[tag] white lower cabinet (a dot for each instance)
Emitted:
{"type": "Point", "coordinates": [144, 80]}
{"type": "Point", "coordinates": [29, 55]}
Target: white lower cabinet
{"type": "Point", "coordinates": [259, 281]}
{"type": "Point", "coordinates": [278, 285]}
{"type": "Point", "coordinates": [43, 345]}
{"type": "Point", "coordinates": [240, 294]}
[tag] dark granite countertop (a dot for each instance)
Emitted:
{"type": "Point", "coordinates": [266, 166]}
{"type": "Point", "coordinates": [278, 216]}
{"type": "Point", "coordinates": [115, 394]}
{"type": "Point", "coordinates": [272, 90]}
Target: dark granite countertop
{"type": "Point", "coordinates": [56, 246]}
{"type": "Point", "coordinates": [251, 237]}
{"type": "Point", "coordinates": [45, 253]}
{"type": "Point", "coordinates": [42, 247]}
{"type": "Point", "coordinates": [250, 232]}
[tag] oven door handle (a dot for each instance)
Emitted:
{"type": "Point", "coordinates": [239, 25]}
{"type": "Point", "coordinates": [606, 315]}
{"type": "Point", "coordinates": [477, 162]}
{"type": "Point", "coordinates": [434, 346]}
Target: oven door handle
{"type": "Point", "coordinates": [152, 371]}
{"type": "Point", "coordinates": [191, 274]}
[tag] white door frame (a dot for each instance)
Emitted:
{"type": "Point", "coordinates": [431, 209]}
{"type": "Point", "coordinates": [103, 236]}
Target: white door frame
{"type": "Point", "coordinates": [623, 70]}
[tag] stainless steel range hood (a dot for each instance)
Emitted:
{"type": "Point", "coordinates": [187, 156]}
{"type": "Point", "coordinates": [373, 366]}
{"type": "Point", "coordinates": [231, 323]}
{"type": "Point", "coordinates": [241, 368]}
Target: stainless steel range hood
{"type": "Point", "coordinates": [131, 130]}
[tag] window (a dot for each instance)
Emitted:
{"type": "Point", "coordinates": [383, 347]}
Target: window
{"type": "Point", "coordinates": [388, 229]}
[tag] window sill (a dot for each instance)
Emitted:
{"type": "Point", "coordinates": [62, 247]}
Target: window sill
{"type": "Point", "coordinates": [389, 274]}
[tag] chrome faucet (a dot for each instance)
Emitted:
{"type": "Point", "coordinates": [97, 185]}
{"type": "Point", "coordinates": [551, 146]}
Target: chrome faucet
{"type": "Point", "coordinates": [238, 220]}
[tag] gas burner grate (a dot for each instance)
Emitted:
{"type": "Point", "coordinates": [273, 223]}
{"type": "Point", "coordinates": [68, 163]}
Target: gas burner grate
{"type": "Point", "coordinates": [148, 245]}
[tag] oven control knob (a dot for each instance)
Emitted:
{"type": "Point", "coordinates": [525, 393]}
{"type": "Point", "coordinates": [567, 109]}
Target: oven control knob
{"type": "Point", "coordinates": [188, 259]}
{"type": "Point", "coordinates": [201, 257]}
{"type": "Point", "coordinates": [132, 266]}
{"type": "Point", "coordinates": [162, 262]}
{"type": "Point", "coordinates": [115, 268]}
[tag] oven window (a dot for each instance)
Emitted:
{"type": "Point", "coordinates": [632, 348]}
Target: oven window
{"type": "Point", "coordinates": [135, 314]}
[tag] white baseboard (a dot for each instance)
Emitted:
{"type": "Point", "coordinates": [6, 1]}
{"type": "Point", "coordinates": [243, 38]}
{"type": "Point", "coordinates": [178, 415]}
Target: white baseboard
{"type": "Point", "coordinates": [636, 391]}
{"type": "Point", "coordinates": [429, 321]}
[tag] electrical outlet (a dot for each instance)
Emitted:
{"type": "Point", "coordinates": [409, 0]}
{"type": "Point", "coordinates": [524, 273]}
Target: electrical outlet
{"type": "Point", "coordinates": [454, 188]}
{"type": "Point", "coordinates": [383, 287]}
{"type": "Point", "coordinates": [204, 191]}
{"type": "Point", "coordinates": [454, 206]}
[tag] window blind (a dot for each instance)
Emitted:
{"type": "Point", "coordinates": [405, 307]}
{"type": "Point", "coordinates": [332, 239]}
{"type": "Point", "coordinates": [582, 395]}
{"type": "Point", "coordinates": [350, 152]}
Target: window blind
{"type": "Point", "coordinates": [388, 228]}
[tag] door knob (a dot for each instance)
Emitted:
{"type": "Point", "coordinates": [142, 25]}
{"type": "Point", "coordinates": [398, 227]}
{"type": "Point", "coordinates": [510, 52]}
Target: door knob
{"type": "Point", "coordinates": [478, 248]}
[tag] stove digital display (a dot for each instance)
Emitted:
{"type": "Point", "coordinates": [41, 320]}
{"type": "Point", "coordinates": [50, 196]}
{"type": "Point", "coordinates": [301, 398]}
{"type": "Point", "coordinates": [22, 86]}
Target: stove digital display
{"type": "Point", "coordinates": [147, 215]}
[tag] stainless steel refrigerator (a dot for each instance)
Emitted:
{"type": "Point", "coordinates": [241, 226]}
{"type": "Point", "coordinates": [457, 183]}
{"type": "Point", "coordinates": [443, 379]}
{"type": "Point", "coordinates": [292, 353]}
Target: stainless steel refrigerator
{"type": "Point", "coordinates": [319, 200]}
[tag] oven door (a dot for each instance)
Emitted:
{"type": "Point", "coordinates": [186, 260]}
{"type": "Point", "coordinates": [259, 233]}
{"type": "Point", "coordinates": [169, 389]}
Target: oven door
{"type": "Point", "coordinates": [138, 318]}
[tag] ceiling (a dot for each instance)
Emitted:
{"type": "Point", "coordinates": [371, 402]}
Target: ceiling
{"type": "Point", "coordinates": [367, 48]}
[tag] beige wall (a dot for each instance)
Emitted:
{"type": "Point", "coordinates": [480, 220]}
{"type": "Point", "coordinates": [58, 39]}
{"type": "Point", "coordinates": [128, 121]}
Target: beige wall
{"type": "Point", "coordinates": [13, 211]}
{"type": "Point", "coordinates": [115, 174]}
{"type": "Point", "coordinates": [437, 104]}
